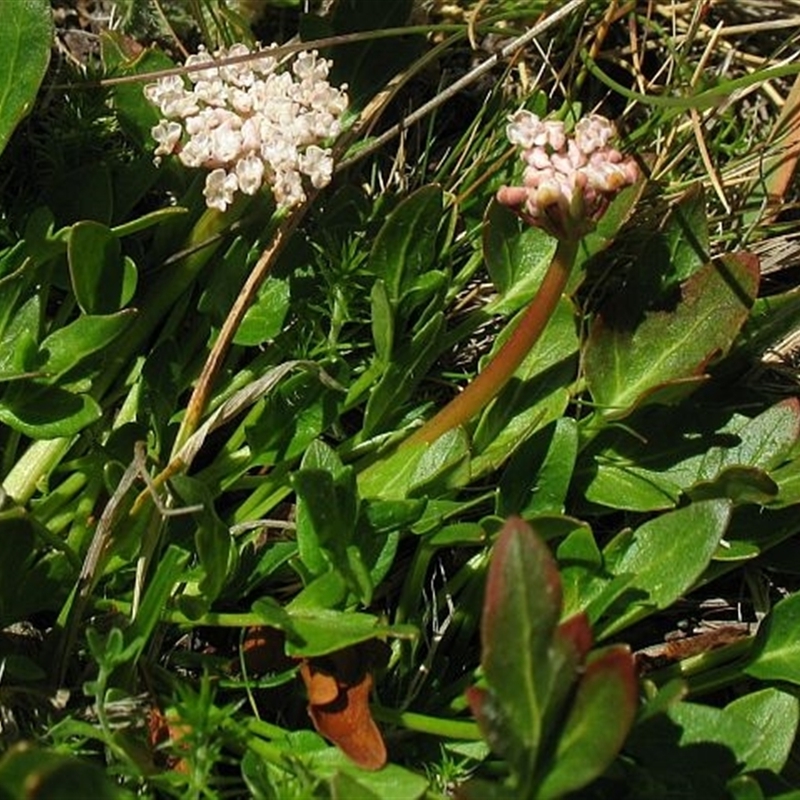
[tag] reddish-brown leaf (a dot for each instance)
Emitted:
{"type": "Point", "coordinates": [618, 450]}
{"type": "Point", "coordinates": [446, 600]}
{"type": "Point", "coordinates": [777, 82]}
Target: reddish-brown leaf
{"type": "Point", "coordinates": [338, 687]}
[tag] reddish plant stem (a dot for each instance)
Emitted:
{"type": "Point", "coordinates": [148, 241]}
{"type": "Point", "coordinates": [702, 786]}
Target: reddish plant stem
{"type": "Point", "coordinates": [487, 385]}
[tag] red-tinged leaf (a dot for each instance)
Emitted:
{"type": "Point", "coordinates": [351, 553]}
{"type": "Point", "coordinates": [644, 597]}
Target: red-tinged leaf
{"type": "Point", "coordinates": [571, 643]}
{"type": "Point", "coordinates": [521, 610]}
{"type": "Point", "coordinates": [627, 363]}
{"type": "Point", "coordinates": [598, 724]}
{"type": "Point", "coordinates": [577, 633]}
{"type": "Point", "coordinates": [338, 689]}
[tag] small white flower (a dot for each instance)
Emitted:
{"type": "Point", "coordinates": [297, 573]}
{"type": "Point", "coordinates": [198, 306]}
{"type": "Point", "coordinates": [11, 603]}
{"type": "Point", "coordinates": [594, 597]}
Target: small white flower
{"type": "Point", "coordinates": [167, 134]}
{"type": "Point", "coordinates": [318, 165]}
{"type": "Point", "coordinates": [250, 174]}
{"type": "Point", "coordinates": [220, 189]}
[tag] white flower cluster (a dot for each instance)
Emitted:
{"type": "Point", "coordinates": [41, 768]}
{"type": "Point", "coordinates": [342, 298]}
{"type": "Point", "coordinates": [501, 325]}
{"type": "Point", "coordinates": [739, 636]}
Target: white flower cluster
{"type": "Point", "coordinates": [568, 180]}
{"type": "Point", "coordinates": [252, 123]}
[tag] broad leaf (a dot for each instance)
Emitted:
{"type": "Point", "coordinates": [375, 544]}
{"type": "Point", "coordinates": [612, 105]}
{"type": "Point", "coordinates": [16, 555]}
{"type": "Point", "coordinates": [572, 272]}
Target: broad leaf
{"type": "Point", "coordinates": [317, 632]}
{"type": "Point", "coordinates": [406, 245]}
{"type": "Point", "coordinates": [26, 36]}
{"type": "Point", "coordinates": [68, 346]}
{"type": "Point", "coordinates": [668, 452]}
{"type": "Point", "coordinates": [46, 412]}
{"type": "Point", "coordinates": [686, 540]}
{"type": "Point", "coordinates": [629, 362]}
{"type": "Point", "coordinates": [517, 257]}
{"type": "Point", "coordinates": [103, 281]}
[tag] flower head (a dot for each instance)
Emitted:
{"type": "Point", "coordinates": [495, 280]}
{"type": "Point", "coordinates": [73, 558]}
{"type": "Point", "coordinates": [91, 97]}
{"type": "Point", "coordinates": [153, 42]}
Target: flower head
{"type": "Point", "coordinates": [251, 123]}
{"type": "Point", "coordinates": [568, 180]}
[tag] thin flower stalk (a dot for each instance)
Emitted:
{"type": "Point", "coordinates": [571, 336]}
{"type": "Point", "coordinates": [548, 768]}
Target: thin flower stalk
{"type": "Point", "coordinates": [567, 184]}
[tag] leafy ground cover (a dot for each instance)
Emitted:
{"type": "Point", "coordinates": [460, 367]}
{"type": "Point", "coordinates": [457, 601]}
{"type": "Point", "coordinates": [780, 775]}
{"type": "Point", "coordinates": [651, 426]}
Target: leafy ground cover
{"type": "Point", "coordinates": [346, 454]}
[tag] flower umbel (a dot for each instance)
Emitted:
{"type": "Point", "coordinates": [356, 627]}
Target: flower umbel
{"type": "Point", "coordinates": [568, 180]}
{"type": "Point", "coordinates": [252, 123]}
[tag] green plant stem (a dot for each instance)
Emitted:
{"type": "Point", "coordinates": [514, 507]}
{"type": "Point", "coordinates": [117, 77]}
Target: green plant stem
{"type": "Point", "coordinates": [435, 726]}
{"type": "Point", "coordinates": [501, 368]}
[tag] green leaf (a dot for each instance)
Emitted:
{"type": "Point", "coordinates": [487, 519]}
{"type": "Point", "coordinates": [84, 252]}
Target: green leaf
{"type": "Point", "coordinates": [418, 469]}
{"type": "Point", "coordinates": [522, 607]}
{"type": "Point", "coordinates": [390, 782]}
{"type": "Point", "coordinates": [26, 36]}
{"type": "Point", "coordinates": [539, 472]}
{"type": "Point", "coordinates": [169, 572]}
{"type": "Point", "coordinates": [68, 346]}
{"type": "Point", "coordinates": [598, 723]}
{"type": "Point", "coordinates": [317, 632]}
{"type": "Point", "coordinates": [406, 245]}
{"type": "Point", "coordinates": [134, 112]}
{"type": "Point", "coordinates": [264, 319]}
{"type": "Point", "coordinates": [686, 233]}
{"type": "Point", "coordinates": [670, 452]}
{"type": "Point", "coordinates": [382, 321]}
{"type": "Point", "coordinates": [327, 509]}
{"type": "Point", "coordinates": [103, 281]}
{"type": "Point", "coordinates": [517, 256]}
{"type": "Point", "coordinates": [776, 653]}
{"type": "Point", "coordinates": [685, 539]}
{"type": "Point", "coordinates": [46, 412]}
{"type": "Point", "coordinates": [774, 714]}
{"type": "Point", "coordinates": [537, 395]}
{"type": "Point", "coordinates": [409, 365]}
{"type": "Point", "coordinates": [18, 346]}
{"type": "Point", "coordinates": [629, 362]}
{"type": "Point", "coordinates": [212, 539]}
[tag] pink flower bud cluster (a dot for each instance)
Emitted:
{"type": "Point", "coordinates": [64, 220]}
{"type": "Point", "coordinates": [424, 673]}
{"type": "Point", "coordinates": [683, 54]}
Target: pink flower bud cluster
{"type": "Point", "coordinates": [568, 180]}
{"type": "Point", "coordinates": [251, 123]}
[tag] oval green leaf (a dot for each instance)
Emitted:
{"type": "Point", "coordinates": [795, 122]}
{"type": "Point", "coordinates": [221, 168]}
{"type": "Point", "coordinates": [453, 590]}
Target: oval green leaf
{"type": "Point", "coordinates": [26, 34]}
{"type": "Point", "coordinates": [101, 277]}
{"type": "Point", "coordinates": [625, 364]}
{"type": "Point", "coordinates": [667, 555]}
